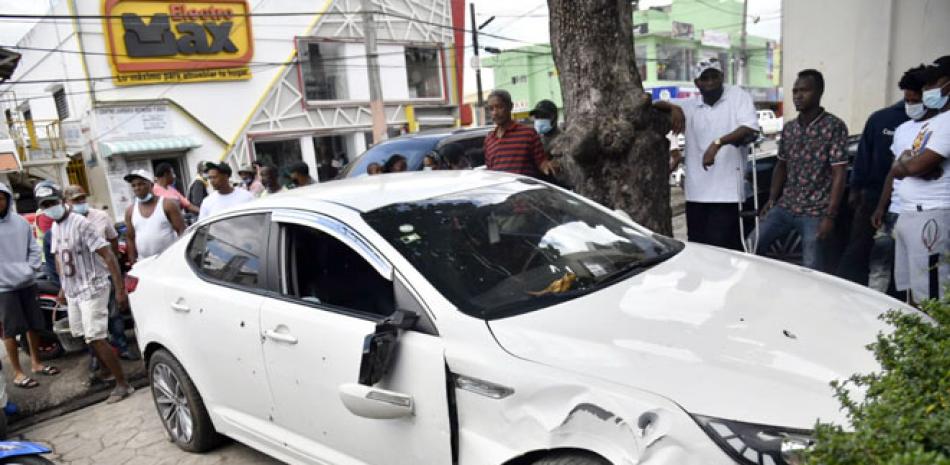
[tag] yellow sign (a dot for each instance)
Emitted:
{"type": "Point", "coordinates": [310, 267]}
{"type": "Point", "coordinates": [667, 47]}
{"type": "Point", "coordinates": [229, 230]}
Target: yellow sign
{"type": "Point", "coordinates": [158, 41]}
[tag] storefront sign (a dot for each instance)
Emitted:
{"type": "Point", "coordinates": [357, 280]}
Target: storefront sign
{"type": "Point", "coordinates": [713, 38]}
{"type": "Point", "coordinates": [157, 41]}
{"type": "Point", "coordinates": [133, 122]}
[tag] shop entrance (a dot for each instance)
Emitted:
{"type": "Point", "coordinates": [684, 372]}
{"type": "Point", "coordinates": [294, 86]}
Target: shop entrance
{"type": "Point", "coordinates": [176, 164]}
{"type": "Point", "coordinates": [280, 154]}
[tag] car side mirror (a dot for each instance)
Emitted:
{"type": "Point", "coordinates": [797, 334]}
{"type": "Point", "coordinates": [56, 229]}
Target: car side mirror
{"type": "Point", "coordinates": [380, 347]}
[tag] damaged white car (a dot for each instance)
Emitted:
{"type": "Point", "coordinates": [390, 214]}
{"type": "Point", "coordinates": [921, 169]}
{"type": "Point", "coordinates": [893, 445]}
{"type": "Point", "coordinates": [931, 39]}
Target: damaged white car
{"type": "Point", "coordinates": [479, 318]}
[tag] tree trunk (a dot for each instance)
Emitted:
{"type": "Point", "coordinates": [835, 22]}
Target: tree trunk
{"type": "Point", "coordinates": [614, 148]}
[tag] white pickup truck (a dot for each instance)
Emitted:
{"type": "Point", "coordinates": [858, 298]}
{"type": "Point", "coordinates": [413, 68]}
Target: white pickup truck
{"type": "Point", "coordinates": [769, 124]}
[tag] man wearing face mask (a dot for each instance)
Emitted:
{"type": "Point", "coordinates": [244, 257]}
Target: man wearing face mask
{"type": "Point", "coordinates": [545, 123]}
{"type": "Point", "coordinates": [86, 264]}
{"type": "Point", "coordinates": [888, 207]}
{"type": "Point", "coordinates": [718, 126]}
{"type": "Point", "coordinates": [19, 312]}
{"type": "Point", "coordinates": [921, 232]}
{"type": "Point", "coordinates": [76, 200]}
{"type": "Point", "coordinates": [153, 223]}
{"type": "Point", "coordinates": [872, 163]}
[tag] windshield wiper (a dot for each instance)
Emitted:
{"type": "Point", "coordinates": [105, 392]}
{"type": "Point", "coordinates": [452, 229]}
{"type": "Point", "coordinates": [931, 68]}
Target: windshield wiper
{"type": "Point", "coordinates": [634, 268]}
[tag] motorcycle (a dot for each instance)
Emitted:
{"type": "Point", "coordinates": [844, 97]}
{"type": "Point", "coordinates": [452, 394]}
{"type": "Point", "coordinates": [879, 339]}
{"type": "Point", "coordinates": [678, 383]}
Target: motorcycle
{"type": "Point", "coordinates": [50, 346]}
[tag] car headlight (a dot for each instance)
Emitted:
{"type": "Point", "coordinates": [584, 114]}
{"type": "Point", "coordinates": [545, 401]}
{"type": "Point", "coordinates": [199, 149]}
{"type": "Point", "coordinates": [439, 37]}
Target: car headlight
{"type": "Point", "coordinates": [752, 444]}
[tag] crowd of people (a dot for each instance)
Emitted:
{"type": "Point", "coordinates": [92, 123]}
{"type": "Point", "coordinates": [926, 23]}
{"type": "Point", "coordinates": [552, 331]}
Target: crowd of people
{"type": "Point", "coordinates": [899, 198]}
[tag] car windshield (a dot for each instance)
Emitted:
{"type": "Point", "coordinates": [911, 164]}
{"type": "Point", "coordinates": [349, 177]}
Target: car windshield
{"type": "Point", "coordinates": [516, 247]}
{"type": "Point", "coordinates": [413, 148]}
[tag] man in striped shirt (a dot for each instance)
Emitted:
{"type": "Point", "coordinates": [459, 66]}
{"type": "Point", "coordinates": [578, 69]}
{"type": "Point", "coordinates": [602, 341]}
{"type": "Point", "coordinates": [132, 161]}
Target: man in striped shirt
{"type": "Point", "coordinates": [512, 147]}
{"type": "Point", "coordinates": [85, 263]}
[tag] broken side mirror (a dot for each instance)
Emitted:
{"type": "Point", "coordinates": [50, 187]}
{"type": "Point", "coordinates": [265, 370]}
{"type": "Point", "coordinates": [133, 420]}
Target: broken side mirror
{"type": "Point", "coordinates": [380, 347]}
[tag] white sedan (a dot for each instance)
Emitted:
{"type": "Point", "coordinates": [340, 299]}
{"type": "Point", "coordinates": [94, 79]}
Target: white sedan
{"type": "Point", "coordinates": [482, 318]}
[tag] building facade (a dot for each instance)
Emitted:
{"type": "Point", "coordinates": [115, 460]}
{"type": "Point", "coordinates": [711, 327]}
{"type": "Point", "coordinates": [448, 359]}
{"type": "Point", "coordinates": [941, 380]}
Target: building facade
{"type": "Point", "coordinates": [669, 41]}
{"type": "Point", "coordinates": [107, 87]}
{"type": "Point", "coordinates": [862, 58]}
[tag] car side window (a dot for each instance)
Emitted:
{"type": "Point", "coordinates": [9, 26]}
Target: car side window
{"type": "Point", "coordinates": [231, 250]}
{"type": "Point", "coordinates": [320, 269]}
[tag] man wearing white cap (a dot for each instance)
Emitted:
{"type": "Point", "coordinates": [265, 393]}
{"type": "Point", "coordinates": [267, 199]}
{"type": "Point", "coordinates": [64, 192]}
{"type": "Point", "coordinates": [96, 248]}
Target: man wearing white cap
{"type": "Point", "coordinates": [719, 125]}
{"type": "Point", "coordinates": [153, 222]}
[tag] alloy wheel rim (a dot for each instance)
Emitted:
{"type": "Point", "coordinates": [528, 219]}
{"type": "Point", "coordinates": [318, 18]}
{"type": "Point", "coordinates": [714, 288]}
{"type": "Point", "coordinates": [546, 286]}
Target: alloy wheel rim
{"type": "Point", "coordinates": [173, 407]}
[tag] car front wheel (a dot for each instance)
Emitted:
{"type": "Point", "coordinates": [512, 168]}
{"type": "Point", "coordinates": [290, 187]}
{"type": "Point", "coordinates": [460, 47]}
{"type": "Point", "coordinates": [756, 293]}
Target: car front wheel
{"type": "Point", "coordinates": [179, 405]}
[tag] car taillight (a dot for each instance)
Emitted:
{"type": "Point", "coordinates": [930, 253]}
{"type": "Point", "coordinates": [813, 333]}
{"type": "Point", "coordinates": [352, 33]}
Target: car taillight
{"type": "Point", "coordinates": [131, 282]}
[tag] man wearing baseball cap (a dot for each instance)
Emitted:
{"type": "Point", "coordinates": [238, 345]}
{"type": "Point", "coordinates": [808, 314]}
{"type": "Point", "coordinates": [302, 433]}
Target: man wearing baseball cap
{"type": "Point", "coordinates": [153, 223]}
{"type": "Point", "coordinates": [86, 263]}
{"type": "Point", "coordinates": [19, 312]}
{"type": "Point", "coordinates": [718, 126]}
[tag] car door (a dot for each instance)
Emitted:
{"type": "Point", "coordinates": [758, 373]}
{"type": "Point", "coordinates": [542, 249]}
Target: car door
{"type": "Point", "coordinates": [334, 288]}
{"type": "Point", "coordinates": [220, 318]}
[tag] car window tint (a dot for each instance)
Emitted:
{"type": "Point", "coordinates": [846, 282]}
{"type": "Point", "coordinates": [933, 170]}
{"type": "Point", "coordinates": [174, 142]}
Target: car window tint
{"type": "Point", "coordinates": [231, 250]}
{"type": "Point", "coordinates": [323, 270]}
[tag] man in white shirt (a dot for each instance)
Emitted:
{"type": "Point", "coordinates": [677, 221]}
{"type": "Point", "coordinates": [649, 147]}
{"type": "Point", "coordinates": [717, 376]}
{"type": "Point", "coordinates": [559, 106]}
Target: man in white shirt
{"type": "Point", "coordinates": [224, 195]}
{"type": "Point", "coordinates": [923, 242]}
{"type": "Point", "coordinates": [718, 127]}
{"type": "Point", "coordinates": [881, 264]}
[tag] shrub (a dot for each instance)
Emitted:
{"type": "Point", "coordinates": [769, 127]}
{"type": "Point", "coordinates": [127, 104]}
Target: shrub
{"type": "Point", "coordinates": [904, 416]}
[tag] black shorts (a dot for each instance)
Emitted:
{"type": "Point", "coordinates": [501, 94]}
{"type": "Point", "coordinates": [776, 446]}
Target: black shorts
{"type": "Point", "coordinates": [20, 312]}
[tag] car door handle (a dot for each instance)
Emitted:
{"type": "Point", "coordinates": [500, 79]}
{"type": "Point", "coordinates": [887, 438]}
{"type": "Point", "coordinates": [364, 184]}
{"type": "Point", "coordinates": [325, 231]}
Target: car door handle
{"type": "Point", "coordinates": [180, 307]}
{"type": "Point", "coordinates": [280, 337]}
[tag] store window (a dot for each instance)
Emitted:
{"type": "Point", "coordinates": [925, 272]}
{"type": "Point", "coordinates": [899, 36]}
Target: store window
{"type": "Point", "coordinates": [279, 153]}
{"type": "Point", "coordinates": [331, 156]}
{"type": "Point", "coordinates": [424, 72]}
{"type": "Point", "coordinates": [673, 62]}
{"type": "Point", "coordinates": [324, 67]}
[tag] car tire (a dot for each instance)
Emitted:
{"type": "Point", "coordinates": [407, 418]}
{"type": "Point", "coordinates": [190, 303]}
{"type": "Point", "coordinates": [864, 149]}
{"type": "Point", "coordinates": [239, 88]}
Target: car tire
{"type": "Point", "coordinates": [570, 458]}
{"type": "Point", "coordinates": [180, 408]}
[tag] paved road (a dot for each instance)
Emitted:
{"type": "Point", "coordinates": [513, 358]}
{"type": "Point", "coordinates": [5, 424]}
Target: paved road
{"type": "Point", "coordinates": [128, 432]}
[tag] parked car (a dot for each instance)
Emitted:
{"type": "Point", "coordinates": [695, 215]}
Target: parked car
{"type": "Point", "coordinates": [415, 147]}
{"type": "Point", "coordinates": [472, 318]}
{"type": "Point", "coordinates": [769, 124]}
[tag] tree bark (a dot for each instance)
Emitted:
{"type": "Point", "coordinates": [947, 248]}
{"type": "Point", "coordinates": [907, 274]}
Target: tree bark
{"type": "Point", "coordinates": [613, 148]}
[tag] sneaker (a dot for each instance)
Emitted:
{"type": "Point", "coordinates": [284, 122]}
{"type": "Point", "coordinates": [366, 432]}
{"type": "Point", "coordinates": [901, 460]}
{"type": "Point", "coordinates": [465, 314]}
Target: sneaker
{"type": "Point", "coordinates": [119, 393]}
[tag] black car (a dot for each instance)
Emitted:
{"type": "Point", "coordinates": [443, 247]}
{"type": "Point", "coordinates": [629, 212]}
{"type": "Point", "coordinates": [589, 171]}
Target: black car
{"type": "Point", "coordinates": [415, 147]}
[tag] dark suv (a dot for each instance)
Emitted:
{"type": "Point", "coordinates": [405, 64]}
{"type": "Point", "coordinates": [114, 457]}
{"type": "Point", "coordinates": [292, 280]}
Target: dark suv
{"type": "Point", "coordinates": [415, 147]}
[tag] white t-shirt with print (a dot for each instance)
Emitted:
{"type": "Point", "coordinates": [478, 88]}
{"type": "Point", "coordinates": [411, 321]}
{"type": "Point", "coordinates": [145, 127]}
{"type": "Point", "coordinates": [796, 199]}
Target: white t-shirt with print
{"type": "Point", "coordinates": [934, 135]}
{"type": "Point", "coordinates": [216, 202]}
{"type": "Point", "coordinates": [724, 181]}
{"type": "Point", "coordinates": [903, 140]}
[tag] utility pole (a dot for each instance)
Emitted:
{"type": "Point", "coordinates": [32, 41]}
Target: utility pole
{"type": "Point", "coordinates": [372, 68]}
{"type": "Point", "coordinates": [743, 52]}
{"type": "Point", "coordinates": [478, 69]}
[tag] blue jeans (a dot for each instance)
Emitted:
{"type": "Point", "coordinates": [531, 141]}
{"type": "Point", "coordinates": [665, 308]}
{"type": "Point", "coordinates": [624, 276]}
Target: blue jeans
{"type": "Point", "coordinates": [778, 222]}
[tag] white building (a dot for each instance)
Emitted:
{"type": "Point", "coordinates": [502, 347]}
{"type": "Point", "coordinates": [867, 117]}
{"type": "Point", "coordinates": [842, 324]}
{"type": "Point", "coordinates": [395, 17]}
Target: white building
{"type": "Point", "coordinates": [862, 47]}
{"type": "Point", "coordinates": [107, 86]}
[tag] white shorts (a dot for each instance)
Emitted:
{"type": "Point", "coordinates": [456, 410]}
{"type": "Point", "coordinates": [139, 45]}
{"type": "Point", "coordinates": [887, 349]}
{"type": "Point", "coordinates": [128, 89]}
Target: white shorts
{"type": "Point", "coordinates": [921, 253]}
{"type": "Point", "coordinates": [89, 318]}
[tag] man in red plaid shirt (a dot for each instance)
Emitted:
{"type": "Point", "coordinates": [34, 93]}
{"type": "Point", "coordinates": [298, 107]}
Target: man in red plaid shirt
{"type": "Point", "coordinates": [512, 147]}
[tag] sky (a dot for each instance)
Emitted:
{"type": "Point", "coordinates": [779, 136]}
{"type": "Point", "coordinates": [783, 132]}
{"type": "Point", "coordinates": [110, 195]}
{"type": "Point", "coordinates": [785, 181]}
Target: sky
{"type": "Point", "coordinates": [525, 20]}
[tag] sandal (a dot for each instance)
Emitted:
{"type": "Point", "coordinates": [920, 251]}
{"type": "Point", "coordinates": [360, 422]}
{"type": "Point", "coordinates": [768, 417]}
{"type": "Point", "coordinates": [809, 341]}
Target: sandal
{"type": "Point", "coordinates": [26, 383]}
{"type": "Point", "coordinates": [48, 370]}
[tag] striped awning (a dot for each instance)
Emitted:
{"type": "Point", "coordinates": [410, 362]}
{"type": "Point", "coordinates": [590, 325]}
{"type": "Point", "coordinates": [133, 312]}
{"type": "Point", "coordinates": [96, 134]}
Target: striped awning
{"type": "Point", "coordinates": [158, 144]}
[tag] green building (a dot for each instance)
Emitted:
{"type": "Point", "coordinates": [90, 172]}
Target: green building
{"type": "Point", "coordinates": [669, 41]}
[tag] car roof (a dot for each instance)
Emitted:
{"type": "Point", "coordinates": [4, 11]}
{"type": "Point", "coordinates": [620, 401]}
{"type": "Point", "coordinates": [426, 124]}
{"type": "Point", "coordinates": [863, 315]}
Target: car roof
{"type": "Point", "coordinates": [366, 193]}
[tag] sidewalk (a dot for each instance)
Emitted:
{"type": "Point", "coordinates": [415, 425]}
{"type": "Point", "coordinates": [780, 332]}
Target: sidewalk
{"type": "Point", "coordinates": [63, 393]}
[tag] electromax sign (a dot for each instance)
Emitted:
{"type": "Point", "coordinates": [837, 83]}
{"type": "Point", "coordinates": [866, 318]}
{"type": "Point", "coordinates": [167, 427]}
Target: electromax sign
{"type": "Point", "coordinates": [158, 41]}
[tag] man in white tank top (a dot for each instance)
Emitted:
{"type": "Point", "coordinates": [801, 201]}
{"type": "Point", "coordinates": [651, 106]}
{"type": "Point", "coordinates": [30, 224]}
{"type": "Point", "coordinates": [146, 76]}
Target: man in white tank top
{"type": "Point", "coordinates": [153, 223]}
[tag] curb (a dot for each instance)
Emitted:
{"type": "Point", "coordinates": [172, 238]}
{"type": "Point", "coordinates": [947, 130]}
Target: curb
{"type": "Point", "coordinates": [92, 396]}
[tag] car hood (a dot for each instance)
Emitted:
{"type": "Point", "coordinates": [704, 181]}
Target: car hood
{"type": "Point", "coordinates": [720, 333]}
